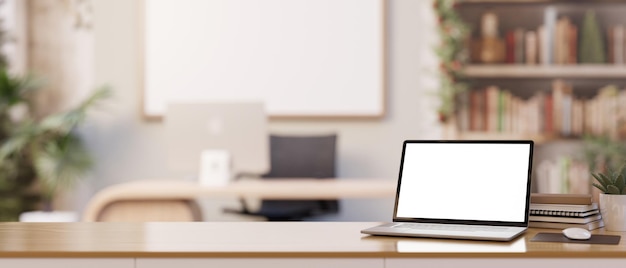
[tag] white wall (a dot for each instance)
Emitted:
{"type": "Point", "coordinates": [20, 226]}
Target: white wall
{"type": "Point", "coordinates": [128, 148]}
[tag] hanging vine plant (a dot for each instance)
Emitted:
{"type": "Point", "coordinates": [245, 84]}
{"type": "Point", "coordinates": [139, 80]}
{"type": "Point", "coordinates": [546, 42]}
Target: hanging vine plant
{"type": "Point", "coordinates": [453, 33]}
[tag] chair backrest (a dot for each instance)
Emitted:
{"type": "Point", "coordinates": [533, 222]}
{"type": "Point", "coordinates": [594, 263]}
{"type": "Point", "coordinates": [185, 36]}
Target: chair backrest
{"type": "Point", "coordinates": [150, 211]}
{"type": "Point", "coordinates": [302, 157]}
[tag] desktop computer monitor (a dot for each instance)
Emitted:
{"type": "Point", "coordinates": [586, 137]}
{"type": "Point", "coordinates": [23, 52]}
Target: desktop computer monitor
{"type": "Point", "coordinates": [239, 128]}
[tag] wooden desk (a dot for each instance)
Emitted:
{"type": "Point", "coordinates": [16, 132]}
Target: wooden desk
{"type": "Point", "coordinates": [275, 244]}
{"type": "Point", "coordinates": [268, 189]}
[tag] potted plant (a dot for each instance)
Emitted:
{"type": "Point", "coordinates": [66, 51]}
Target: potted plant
{"type": "Point", "coordinates": [612, 198]}
{"type": "Point", "coordinates": [39, 155]}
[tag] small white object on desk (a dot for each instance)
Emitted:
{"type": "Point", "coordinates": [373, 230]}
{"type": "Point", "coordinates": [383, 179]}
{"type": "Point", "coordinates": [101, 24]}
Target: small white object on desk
{"type": "Point", "coordinates": [576, 233]}
{"type": "Point", "coordinates": [49, 216]}
{"type": "Point", "coordinates": [215, 168]}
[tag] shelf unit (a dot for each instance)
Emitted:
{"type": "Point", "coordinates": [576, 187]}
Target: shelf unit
{"type": "Point", "coordinates": [517, 81]}
{"type": "Point", "coordinates": [530, 13]}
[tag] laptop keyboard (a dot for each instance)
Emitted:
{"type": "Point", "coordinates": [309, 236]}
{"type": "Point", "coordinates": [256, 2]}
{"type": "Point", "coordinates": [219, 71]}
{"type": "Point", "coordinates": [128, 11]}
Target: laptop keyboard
{"type": "Point", "coordinates": [451, 227]}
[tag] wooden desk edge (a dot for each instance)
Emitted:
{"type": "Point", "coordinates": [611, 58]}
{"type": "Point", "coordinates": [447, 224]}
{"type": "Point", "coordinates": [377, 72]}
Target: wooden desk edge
{"type": "Point", "coordinates": [473, 255]}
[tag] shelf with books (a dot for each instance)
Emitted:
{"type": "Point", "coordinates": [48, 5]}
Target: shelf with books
{"type": "Point", "coordinates": [540, 69]}
{"type": "Point", "coordinates": [552, 71]}
{"type": "Point", "coordinates": [546, 33]}
{"type": "Point", "coordinates": [556, 113]}
{"type": "Point", "coordinates": [590, 71]}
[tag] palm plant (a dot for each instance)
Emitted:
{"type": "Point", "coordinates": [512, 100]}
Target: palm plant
{"type": "Point", "coordinates": [16, 172]}
{"type": "Point", "coordinates": [38, 157]}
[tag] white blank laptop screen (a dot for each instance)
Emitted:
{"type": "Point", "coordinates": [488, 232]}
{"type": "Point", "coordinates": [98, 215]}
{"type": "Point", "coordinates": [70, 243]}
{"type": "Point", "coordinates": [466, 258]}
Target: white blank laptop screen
{"type": "Point", "coordinates": [464, 181]}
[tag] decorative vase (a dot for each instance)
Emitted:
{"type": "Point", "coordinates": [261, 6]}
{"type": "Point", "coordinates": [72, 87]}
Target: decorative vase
{"type": "Point", "coordinates": [613, 210]}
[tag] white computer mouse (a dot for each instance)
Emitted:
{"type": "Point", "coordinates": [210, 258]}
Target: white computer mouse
{"type": "Point", "coordinates": [577, 233]}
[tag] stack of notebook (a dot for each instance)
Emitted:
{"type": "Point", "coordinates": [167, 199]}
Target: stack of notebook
{"type": "Point", "coordinates": [562, 211]}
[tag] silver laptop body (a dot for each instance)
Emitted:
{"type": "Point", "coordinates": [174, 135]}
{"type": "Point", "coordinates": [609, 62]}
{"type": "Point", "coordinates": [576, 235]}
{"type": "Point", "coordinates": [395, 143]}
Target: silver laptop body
{"type": "Point", "coordinates": [462, 189]}
{"type": "Point", "coordinates": [239, 127]}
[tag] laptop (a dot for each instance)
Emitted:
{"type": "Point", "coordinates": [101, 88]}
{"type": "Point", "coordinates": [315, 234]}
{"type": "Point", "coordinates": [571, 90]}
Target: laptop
{"type": "Point", "coordinates": [477, 190]}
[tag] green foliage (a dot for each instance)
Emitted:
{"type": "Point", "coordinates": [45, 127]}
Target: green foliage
{"type": "Point", "coordinates": [38, 156]}
{"type": "Point", "coordinates": [602, 152]}
{"type": "Point", "coordinates": [592, 48]}
{"type": "Point", "coordinates": [613, 182]}
{"type": "Point", "coordinates": [453, 33]}
{"type": "Point", "coordinates": [49, 149]}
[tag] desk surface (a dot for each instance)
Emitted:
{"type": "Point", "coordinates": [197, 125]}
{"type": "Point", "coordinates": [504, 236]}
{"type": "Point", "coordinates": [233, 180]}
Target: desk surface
{"type": "Point", "coordinates": [264, 239]}
{"type": "Point", "coordinates": [262, 189]}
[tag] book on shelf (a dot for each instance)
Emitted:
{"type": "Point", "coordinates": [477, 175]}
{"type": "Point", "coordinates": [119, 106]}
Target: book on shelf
{"type": "Point", "coordinates": [511, 46]}
{"type": "Point", "coordinates": [563, 225]}
{"type": "Point", "coordinates": [519, 36]}
{"type": "Point", "coordinates": [616, 35]}
{"type": "Point", "coordinates": [566, 219]}
{"type": "Point", "coordinates": [530, 48]}
{"type": "Point", "coordinates": [563, 174]}
{"type": "Point", "coordinates": [547, 39]}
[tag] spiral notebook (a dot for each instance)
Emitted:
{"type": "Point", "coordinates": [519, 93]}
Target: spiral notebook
{"type": "Point", "coordinates": [560, 213]}
{"type": "Point", "coordinates": [461, 189]}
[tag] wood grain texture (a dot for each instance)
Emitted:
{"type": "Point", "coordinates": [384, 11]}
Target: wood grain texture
{"type": "Point", "coordinates": [265, 240]}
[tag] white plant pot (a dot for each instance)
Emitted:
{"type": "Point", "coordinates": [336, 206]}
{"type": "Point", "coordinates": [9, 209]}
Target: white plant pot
{"type": "Point", "coordinates": [613, 210]}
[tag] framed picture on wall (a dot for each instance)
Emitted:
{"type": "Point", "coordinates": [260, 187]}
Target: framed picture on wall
{"type": "Point", "coordinates": [302, 58]}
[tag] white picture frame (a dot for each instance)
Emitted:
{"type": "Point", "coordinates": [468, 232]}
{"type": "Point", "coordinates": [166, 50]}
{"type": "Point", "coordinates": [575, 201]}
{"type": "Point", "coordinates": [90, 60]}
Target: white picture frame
{"type": "Point", "coordinates": [302, 58]}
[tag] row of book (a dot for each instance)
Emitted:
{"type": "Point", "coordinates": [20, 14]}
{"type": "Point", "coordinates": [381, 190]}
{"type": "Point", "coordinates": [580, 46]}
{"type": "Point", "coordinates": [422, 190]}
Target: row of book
{"type": "Point", "coordinates": [558, 41]}
{"type": "Point", "coordinates": [558, 112]}
{"type": "Point", "coordinates": [563, 174]}
{"type": "Point", "coordinates": [560, 211]}
{"type": "Point", "coordinates": [551, 43]}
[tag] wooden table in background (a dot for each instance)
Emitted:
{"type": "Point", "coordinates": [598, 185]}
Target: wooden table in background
{"type": "Point", "coordinates": [250, 188]}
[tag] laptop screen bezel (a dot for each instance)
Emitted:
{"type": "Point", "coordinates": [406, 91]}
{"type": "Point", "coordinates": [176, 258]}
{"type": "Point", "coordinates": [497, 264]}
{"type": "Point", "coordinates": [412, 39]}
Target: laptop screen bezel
{"type": "Point", "coordinates": [470, 222]}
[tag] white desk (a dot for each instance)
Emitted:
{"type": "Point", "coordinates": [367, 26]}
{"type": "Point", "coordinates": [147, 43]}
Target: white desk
{"type": "Point", "coordinates": [262, 189]}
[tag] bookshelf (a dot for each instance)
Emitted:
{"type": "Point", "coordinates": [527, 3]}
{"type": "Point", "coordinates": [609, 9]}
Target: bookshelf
{"type": "Point", "coordinates": [557, 25]}
{"type": "Point", "coordinates": [549, 86]}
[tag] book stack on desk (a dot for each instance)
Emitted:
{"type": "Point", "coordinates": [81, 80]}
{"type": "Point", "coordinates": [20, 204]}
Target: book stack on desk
{"type": "Point", "coordinates": [560, 211]}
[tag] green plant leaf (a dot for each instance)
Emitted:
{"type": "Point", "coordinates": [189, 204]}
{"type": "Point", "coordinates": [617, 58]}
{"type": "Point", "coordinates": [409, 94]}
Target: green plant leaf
{"type": "Point", "coordinates": [619, 182]}
{"type": "Point", "coordinates": [19, 140]}
{"type": "Point", "coordinates": [606, 181]}
{"type": "Point", "coordinates": [599, 180]}
{"type": "Point", "coordinates": [600, 187]}
{"type": "Point", "coordinates": [61, 162]}
{"type": "Point", "coordinates": [63, 123]}
{"type": "Point", "coordinates": [611, 189]}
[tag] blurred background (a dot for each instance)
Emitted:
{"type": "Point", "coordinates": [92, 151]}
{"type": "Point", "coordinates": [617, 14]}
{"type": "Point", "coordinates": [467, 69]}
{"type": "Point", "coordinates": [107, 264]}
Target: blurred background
{"type": "Point", "coordinates": [85, 84]}
{"type": "Point", "coordinates": [75, 46]}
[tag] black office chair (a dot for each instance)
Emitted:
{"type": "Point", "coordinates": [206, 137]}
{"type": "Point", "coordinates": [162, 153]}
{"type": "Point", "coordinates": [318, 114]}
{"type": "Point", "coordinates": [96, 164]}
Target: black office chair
{"type": "Point", "coordinates": [297, 157]}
